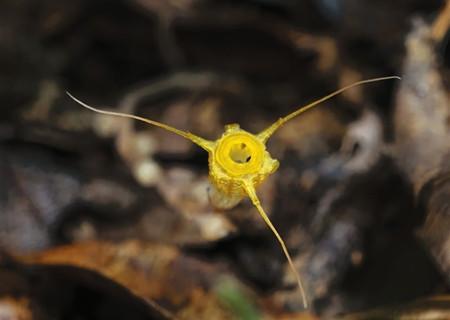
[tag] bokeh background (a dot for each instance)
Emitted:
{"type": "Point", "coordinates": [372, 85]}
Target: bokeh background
{"type": "Point", "coordinates": [105, 218]}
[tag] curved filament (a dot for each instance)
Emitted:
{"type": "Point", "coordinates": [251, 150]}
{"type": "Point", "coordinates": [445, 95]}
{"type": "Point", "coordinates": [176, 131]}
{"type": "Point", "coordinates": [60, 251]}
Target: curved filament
{"type": "Point", "coordinates": [265, 134]}
{"type": "Point", "coordinates": [248, 186]}
{"type": "Point", "coordinates": [203, 143]}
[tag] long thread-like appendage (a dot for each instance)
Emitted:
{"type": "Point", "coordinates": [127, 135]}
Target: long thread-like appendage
{"type": "Point", "coordinates": [268, 132]}
{"type": "Point", "coordinates": [248, 186]}
{"type": "Point", "coordinates": [203, 143]}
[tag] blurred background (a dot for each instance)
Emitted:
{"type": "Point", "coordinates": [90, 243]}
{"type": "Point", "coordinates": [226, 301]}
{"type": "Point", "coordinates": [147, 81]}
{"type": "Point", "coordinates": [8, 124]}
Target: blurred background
{"type": "Point", "coordinates": [105, 218]}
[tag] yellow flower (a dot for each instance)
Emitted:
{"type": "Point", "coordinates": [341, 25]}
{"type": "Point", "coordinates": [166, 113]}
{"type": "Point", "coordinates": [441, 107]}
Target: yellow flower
{"type": "Point", "coordinates": [239, 161]}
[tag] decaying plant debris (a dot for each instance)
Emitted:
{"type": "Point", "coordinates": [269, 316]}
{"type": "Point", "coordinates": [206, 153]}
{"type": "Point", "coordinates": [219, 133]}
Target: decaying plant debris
{"type": "Point", "coordinates": [104, 218]}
